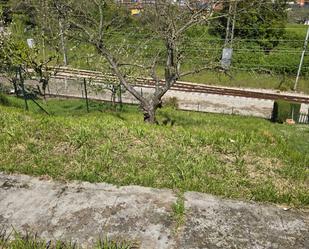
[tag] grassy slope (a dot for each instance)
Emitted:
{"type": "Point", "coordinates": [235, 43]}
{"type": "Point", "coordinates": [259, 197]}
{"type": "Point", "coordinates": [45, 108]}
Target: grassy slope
{"type": "Point", "coordinates": [231, 156]}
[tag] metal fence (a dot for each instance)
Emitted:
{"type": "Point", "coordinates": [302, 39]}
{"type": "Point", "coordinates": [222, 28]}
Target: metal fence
{"type": "Point", "coordinates": [303, 118]}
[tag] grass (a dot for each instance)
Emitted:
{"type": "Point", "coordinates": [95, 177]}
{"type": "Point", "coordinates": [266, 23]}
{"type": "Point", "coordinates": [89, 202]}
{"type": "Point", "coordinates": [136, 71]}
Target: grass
{"type": "Point", "coordinates": [230, 156]}
{"type": "Point", "coordinates": [29, 241]}
{"type": "Point", "coordinates": [179, 210]}
{"type": "Point", "coordinates": [250, 80]}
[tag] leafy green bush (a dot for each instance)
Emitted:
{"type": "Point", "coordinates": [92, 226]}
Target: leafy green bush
{"type": "Point", "coordinates": [284, 110]}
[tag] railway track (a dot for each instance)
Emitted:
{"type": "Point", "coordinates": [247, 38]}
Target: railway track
{"type": "Point", "coordinates": [100, 78]}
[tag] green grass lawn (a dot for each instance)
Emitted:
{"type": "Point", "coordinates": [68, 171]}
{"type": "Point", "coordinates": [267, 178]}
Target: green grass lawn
{"type": "Point", "coordinates": [250, 80]}
{"type": "Point", "coordinates": [231, 156]}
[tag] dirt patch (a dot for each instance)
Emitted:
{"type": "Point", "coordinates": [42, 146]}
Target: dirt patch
{"type": "Point", "coordinates": [9, 184]}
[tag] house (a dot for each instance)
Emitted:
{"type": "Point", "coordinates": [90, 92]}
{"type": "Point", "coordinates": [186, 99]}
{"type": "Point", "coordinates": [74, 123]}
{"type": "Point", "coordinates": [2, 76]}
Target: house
{"type": "Point", "coordinates": [139, 4]}
{"type": "Point", "coordinates": [303, 3]}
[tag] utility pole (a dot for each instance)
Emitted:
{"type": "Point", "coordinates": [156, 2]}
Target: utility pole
{"type": "Point", "coordinates": [229, 37]}
{"type": "Point", "coordinates": [301, 60]}
{"type": "Point", "coordinates": [228, 26]}
{"type": "Point", "coordinates": [64, 51]}
{"type": "Point", "coordinates": [233, 23]}
{"type": "Point", "coordinates": [61, 17]}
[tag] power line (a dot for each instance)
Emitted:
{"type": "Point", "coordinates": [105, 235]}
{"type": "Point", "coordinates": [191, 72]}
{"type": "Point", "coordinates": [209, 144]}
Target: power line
{"type": "Point", "coordinates": [205, 49]}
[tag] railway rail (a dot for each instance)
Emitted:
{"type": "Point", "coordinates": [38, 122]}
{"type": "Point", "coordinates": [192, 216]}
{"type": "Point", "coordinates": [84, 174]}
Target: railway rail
{"type": "Point", "coordinates": [106, 78]}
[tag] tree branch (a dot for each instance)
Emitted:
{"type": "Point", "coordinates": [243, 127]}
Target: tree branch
{"type": "Point", "coordinates": [198, 70]}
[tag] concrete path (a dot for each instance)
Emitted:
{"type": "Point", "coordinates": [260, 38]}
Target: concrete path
{"type": "Point", "coordinates": [82, 212]}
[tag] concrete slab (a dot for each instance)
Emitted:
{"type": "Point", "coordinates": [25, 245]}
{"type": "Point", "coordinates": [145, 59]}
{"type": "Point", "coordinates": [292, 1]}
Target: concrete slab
{"type": "Point", "coordinates": [82, 212]}
{"type": "Point", "coordinates": [214, 223]}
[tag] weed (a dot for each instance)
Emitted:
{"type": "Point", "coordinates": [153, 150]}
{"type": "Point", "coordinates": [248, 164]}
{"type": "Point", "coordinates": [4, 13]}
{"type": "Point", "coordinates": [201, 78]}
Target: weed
{"type": "Point", "coordinates": [80, 137]}
{"type": "Point", "coordinates": [107, 244]}
{"type": "Point", "coordinates": [179, 211]}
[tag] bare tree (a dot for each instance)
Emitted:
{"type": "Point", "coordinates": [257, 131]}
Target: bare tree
{"type": "Point", "coordinates": [97, 22]}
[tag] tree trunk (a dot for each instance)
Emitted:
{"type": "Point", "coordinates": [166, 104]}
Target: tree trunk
{"type": "Point", "coordinates": [14, 81]}
{"type": "Point", "coordinates": [150, 116]}
{"type": "Point", "coordinates": [44, 83]}
{"type": "Point", "coordinates": [149, 110]}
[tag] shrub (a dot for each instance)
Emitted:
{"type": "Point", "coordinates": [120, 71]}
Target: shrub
{"type": "Point", "coordinates": [284, 110]}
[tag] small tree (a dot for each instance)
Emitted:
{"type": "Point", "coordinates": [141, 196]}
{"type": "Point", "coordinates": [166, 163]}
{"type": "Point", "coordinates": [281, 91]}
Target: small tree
{"type": "Point", "coordinates": [17, 56]}
{"type": "Point", "coordinates": [106, 26]}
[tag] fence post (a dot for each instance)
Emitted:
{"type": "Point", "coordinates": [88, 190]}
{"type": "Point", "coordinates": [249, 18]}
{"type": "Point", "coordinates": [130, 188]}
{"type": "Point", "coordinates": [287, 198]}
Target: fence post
{"type": "Point", "coordinates": [86, 94]}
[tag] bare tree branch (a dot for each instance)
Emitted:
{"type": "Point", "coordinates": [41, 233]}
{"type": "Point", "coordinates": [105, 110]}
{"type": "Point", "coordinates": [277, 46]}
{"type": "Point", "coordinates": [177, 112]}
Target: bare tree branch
{"type": "Point", "coordinates": [198, 70]}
